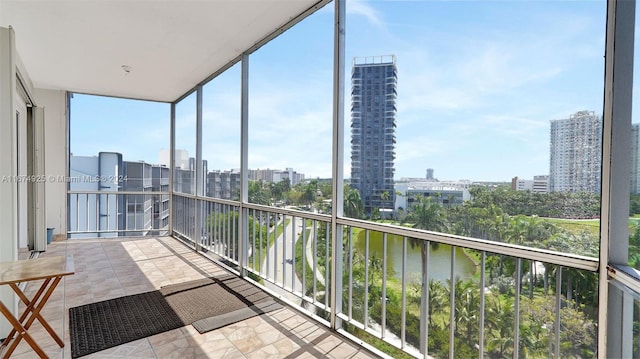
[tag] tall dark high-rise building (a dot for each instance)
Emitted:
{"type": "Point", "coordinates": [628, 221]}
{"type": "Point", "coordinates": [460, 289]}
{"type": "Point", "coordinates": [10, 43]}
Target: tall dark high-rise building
{"type": "Point", "coordinates": [373, 125]}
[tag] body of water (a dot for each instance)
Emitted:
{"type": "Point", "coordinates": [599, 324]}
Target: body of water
{"type": "Point", "coordinates": [439, 259]}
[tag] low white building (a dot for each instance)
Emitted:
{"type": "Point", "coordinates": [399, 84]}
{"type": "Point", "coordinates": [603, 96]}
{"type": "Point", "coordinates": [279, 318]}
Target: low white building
{"type": "Point", "coordinates": [445, 193]}
{"type": "Point", "coordinates": [539, 184]}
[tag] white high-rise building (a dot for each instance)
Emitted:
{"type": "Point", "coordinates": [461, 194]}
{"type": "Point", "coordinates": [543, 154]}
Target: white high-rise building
{"type": "Point", "coordinates": [575, 153]}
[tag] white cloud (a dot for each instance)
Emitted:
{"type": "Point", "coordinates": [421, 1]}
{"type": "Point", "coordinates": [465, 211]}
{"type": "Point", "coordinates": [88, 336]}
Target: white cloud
{"type": "Point", "coordinates": [362, 8]}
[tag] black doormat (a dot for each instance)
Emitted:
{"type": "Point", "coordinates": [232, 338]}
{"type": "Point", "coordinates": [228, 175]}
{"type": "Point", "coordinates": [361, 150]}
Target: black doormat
{"type": "Point", "coordinates": [212, 302]}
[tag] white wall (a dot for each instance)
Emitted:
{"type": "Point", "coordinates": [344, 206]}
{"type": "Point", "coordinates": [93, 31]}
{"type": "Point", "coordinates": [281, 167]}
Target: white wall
{"type": "Point", "coordinates": [8, 197]}
{"type": "Point", "coordinates": [401, 200]}
{"type": "Point", "coordinates": [56, 150]}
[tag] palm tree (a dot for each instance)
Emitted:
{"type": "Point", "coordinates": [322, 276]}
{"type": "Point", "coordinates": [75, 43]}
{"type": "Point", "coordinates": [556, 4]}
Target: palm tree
{"type": "Point", "coordinates": [451, 200]}
{"type": "Point", "coordinates": [353, 207]}
{"type": "Point", "coordinates": [467, 302]}
{"type": "Point", "coordinates": [499, 322]}
{"type": "Point", "coordinates": [276, 191]}
{"type": "Point", "coordinates": [425, 214]}
{"type": "Point", "coordinates": [309, 192]}
{"type": "Point", "coordinates": [258, 193]}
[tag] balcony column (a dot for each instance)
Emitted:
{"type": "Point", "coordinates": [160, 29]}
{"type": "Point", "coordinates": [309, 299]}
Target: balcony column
{"type": "Point", "coordinates": [8, 165]}
{"type": "Point", "coordinates": [199, 175]}
{"type": "Point", "coordinates": [172, 166]}
{"type": "Point", "coordinates": [337, 159]}
{"type": "Point", "coordinates": [243, 215]}
{"type": "Point", "coordinates": [616, 325]}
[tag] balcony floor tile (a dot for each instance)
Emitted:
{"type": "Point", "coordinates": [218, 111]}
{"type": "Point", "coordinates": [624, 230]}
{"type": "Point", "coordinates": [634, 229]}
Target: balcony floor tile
{"type": "Point", "coordinates": [111, 267]}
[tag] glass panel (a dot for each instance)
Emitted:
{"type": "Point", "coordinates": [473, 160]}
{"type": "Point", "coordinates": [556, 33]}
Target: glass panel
{"type": "Point", "coordinates": [135, 129]}
{"type": "Point", "coordinates": [290, 117]}
{"type": "Point", "coordinates": [184, 179]}
{"type": "Point", "coordinates": [486, 115]}
{"type": "Point", "coordinates": [116, 145]}
{"type": "Point", "coordinates": [221, 135]}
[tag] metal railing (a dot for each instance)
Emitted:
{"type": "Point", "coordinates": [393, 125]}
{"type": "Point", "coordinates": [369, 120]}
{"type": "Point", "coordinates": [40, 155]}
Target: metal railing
{"type": "Point", "coordinates": [625, 283]}
{"type": "Point", "coordinates": [426, 294]}
{"type": "Point", "coordinates": [112, 214]}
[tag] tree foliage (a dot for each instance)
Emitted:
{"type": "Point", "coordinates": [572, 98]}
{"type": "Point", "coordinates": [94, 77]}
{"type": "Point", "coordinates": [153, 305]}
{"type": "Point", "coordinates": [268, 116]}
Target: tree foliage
{"type": "Point", "coordinates": [500, 214]}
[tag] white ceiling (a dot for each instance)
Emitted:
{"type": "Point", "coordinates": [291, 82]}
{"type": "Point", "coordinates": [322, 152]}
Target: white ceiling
{"type": "Point", "coordinates": [170, 46]}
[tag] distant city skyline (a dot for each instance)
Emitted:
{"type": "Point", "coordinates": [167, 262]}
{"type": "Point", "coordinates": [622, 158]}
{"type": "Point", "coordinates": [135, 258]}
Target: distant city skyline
{"type": "Point", "coordinates": [158, 159]}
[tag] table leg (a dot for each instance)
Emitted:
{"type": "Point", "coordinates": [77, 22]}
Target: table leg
{"type": "Point", "coordinates": [33, 307]}
{"type": "Point", "coordinates": [25, 300]}
{"type": "Point", "coordinates": [22, 333]}
{"type": "Point", "coordinates": [35, 304]}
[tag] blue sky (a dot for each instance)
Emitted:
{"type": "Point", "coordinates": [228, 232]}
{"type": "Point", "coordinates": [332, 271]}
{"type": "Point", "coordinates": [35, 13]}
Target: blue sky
{"type": "Point", "coordinates": [478, 83]}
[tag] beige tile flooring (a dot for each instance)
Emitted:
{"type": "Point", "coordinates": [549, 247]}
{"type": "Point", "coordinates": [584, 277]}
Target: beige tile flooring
{"type": "Point", "coordinates": [109, 268]}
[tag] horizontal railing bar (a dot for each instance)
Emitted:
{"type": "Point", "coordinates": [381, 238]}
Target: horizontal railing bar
{"type": "Point", "coordinates": [627, 276]}
{"type": "Point", "coordinates": [531, 253]}
{"type": "Point", "coordinates": [261, 207]}
{"type": "Point", "coordinates": [208, 199]}
{"type": "Point", "coordinates": [120, 193]}
{"type": "Point", "coordinates": [290, 212]}
{"type": "Point", "coordinates": [119, 231]}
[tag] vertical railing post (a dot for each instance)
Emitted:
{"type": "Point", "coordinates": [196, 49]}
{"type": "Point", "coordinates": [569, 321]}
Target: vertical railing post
{"type": "Point", "coordinates": [483, 262]}
{"type": "Point", "coordinates": [452, 303]}
{"type": "Point", "coordinates": [425, 252]}
{"type": "Point", "coordinates": [558, 318]}
{"type": "Point", "coordinates": [403, 319]}
{"type": "Point", "coordinates": [516, 310]}
{"type": "Point", "coordinates": [365, 320]}
{"type": "Point", "coordinates": [383, 299]}
{"type": "Point", "coordinates": [350, 262]}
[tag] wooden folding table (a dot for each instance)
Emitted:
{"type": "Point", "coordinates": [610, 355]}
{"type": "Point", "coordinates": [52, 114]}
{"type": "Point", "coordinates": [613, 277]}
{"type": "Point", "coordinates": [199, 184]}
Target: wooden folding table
{"type": "Point", "coordinates": [50, 270]}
